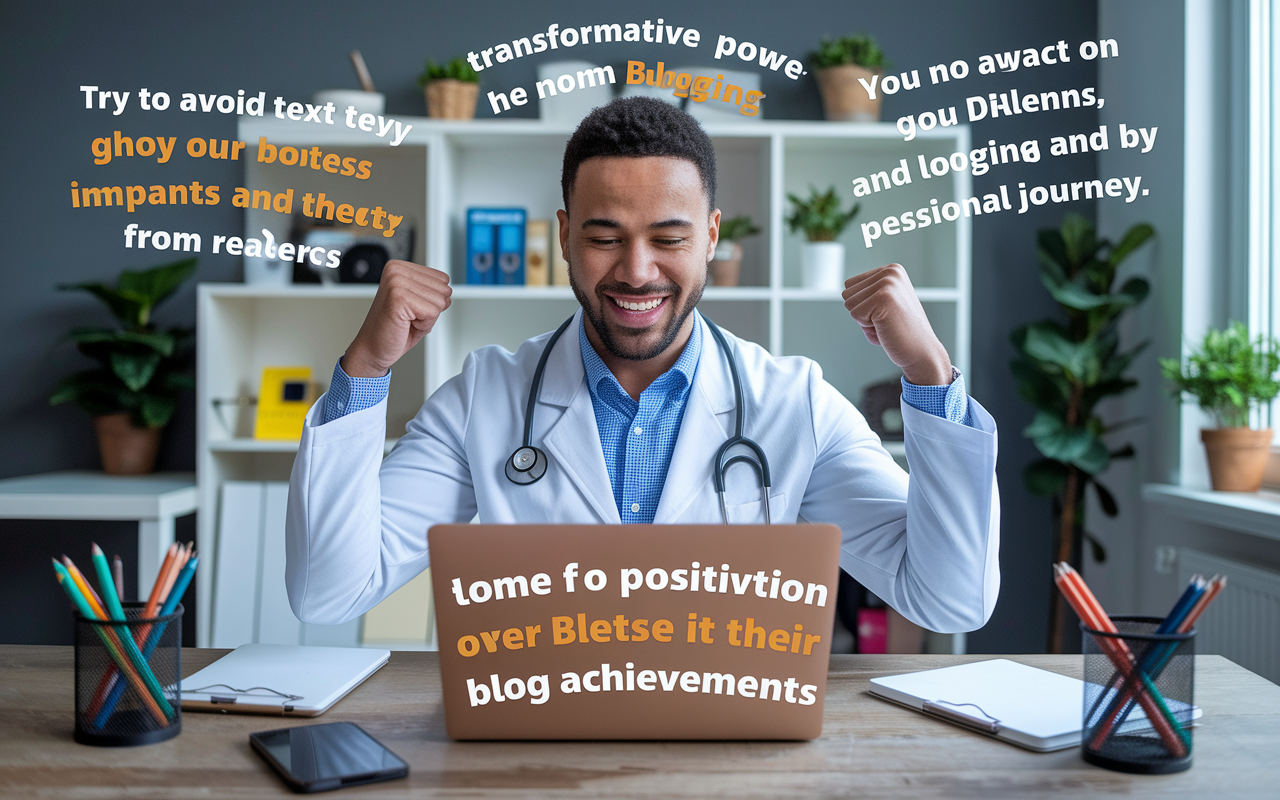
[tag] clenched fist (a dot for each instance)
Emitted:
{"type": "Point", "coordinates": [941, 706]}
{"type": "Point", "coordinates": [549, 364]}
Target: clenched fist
{"type": "Point", "coordinates": [884, 303]}
{"type": "Point", "coordinates": [410, 299]}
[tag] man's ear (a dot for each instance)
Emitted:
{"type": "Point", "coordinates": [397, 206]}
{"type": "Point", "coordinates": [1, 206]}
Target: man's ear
{"type": "Point", "coordinates": [563, 217]}
{"type": "Point", "coordinates": [713, 233]}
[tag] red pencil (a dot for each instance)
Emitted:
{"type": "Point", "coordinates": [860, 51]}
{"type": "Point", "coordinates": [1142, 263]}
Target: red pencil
{"type": "Point", "coordinates": [1215, 586]}
{"type": "Point", "coordinates": [1090, 611]}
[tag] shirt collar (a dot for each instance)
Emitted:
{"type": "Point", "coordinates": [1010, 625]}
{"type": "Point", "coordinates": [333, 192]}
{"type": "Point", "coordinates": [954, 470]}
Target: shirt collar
{"type": "Point", "coordinates": [684, 367]}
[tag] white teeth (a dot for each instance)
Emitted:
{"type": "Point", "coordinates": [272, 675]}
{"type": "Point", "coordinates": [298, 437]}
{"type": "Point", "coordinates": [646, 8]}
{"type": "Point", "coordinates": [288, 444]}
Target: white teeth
{"type": "Point", "coordinates": [638, 306]}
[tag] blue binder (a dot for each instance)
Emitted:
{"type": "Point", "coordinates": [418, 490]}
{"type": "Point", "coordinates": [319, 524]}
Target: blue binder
{"type": "Point", "coordinates": [495, 246]}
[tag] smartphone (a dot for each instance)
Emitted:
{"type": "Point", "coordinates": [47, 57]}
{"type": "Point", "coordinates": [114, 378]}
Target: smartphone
{"type": "Point", "coordinates": [317, 758]}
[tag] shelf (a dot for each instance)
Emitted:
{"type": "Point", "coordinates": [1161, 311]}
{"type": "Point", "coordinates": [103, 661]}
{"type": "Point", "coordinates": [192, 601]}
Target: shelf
{"type": "Point", "coordinates": [242, 445]}
{"type": "Point", "coordinates": [283, 131]}
{"type": "Point", "coordinates": [926, 294]}
{"type": "Point", "coordinates": [1256, 513]}
{"type": "Point", "coordinates": [302, 291]}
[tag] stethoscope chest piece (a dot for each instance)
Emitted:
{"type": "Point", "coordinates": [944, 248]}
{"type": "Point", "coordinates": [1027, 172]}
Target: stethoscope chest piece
{"type": "Point", "coordinates": [526, 465]}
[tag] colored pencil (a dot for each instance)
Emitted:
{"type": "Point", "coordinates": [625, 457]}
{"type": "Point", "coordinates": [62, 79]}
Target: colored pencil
{"type": "Point", "coordinates": [1090, 611]}
{"type": "Point", "coordinates": [154, 601]}
{"type": "Point", "coordinates": [111, 641]}
{"type": "Point", "coordinates": [1158, 659]}
{"type": "Point", "coordinates": [171, 603]}
{"type": "Point", "coordinates": [116, 612]}
{"type": "Point", "coordinates": [117, 575]}
{"type": "Point", "coordinates": [91, 596]}
{"type": "Point", "coordinates": [1117, 682]}
{"type": "Point", "coordinates": [159, 590]}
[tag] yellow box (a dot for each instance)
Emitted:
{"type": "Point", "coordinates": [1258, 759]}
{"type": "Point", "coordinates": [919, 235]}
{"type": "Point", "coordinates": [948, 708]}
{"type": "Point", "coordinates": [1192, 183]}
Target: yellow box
{"type": "Point", "coordinates": [284, 398]}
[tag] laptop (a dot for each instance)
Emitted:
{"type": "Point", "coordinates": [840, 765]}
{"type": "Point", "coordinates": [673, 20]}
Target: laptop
{"type": "Point", "coordinates": [635, 631]}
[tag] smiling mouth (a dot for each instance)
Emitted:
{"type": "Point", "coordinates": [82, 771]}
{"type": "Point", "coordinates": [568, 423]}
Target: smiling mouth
{"type": "Point", "coordinates": [646, 305]}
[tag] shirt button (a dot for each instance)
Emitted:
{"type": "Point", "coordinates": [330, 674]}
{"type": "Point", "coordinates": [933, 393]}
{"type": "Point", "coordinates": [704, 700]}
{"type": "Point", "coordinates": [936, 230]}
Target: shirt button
{"type": "Point", "coordinates": [635, 508]}
{"type": "Point", "coordinates": [637, 430]}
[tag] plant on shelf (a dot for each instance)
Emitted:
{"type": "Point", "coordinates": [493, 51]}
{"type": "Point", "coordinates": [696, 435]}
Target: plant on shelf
{"type": "Point", "coordinates": [839, 64]}
{"type": "Point", "coordinates": [451, 89]}
{"type": "Point", "coordinates": [1228, 375]}
{"type": "Point", "coordinates": [822, 220]}
{"type": "Point", "coordinates": [726, 267]}
{"type": "Point", "coordinates": [133, 393]}
{"type": "Point", "coordinates": [1065, 370]}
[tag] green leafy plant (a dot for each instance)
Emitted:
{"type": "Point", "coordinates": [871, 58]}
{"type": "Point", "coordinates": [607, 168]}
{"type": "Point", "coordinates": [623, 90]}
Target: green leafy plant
{"type": "Point", "coordinates": [737, 228]}
{"type": "Point", "coordinates": [860, 49]}
{"type": "Point", "coordinates": [820, 217]}
{"type": "Point", "coordinates": [1065, 370]}
{"type": "Point", "coordinates": [142, 368]}
{"type": "Point", "coordinates": [1228, 374]}
{"type": "Point", "coordinates": [458, 69]}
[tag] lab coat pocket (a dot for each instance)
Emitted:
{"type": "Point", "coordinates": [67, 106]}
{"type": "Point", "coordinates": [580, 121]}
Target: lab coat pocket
{"type": "Point", "coordinates": [753, 513]}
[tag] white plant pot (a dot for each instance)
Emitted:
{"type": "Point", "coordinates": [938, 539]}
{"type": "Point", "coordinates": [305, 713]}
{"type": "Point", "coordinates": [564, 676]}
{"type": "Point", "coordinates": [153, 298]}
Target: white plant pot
{"type": "Point", "coordinates": [823, 265]}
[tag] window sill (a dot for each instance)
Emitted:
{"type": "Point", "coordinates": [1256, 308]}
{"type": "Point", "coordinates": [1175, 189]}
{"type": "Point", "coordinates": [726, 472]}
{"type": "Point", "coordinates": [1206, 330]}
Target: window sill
{"type": "Point", "coordinates": [1256, 513]}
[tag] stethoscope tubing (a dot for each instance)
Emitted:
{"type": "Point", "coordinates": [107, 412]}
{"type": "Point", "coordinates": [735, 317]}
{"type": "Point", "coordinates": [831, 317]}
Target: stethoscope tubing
{"type": "Point", "coordinates": [521, 464]}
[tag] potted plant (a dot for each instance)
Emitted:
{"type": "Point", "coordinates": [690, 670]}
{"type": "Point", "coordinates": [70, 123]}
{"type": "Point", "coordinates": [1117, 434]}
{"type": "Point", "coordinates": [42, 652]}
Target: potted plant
{"type": "Point", "coordinates": [840, 63]}
{"type": "Point", "coordinates": [133, 392]}
{"type": "Point", "coordinates": [451, 89]}
{"type": "Point", "coordinates": [727, 264]}
{"type": "Point", "coordinates": [1228, 375]}
{"type": "Point", "coordinates": [822, 220]}
{"type": "Point", "coordinates": [1066, 370]}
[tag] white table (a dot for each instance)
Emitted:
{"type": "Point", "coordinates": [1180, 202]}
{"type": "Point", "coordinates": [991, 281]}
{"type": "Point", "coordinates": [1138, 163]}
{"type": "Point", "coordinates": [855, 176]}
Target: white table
{"type": "Point", "coordinates": [153, 500]}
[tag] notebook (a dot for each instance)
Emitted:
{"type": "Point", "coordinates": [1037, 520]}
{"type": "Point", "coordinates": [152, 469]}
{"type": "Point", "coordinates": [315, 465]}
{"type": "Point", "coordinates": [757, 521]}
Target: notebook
{"type": "Point", "coordinates": [280, 679]}
{"type": "Point", "coordinates": [1022, 705]}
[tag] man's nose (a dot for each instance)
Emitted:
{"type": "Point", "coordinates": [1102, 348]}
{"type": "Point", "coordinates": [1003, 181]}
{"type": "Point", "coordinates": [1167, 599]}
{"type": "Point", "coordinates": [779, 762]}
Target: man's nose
{"type": "Point", "coordinates": [637, 266]}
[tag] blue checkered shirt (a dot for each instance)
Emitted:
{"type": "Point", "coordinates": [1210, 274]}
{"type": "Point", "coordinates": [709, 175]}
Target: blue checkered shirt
{"type": "Point", "coordinates": [637, 437]}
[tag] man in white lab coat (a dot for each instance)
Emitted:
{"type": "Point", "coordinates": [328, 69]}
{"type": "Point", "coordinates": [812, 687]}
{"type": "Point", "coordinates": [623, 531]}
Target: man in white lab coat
{"type": "Point", "coordinates": [635, 401]}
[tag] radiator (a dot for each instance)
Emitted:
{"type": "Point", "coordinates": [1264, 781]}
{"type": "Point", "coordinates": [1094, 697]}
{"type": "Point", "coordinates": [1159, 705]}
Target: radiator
{"type": "Point", "coordinates": [1243, 624]}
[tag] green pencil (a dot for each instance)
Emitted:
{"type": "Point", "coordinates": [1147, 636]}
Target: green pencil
{"type": "Point", "coordinates": [106, 582]}
{"type": "Point", "coordinates": [111, 641]}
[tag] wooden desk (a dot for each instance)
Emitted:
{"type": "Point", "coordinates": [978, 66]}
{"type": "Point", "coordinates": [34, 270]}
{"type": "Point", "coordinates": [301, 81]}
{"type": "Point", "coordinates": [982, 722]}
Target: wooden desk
{"type": "Point", "coordinates": [869, 747]}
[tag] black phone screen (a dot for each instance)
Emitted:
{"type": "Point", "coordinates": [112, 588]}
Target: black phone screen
{"type": "Point", "coordinates": [315, 758]}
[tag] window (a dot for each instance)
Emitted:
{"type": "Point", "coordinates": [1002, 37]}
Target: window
{"type": "Point", "coordinates": [1263, 281]}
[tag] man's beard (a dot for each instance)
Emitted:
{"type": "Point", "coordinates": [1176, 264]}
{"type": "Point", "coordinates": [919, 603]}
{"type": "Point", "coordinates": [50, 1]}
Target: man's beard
{"type": "Point", "coordinates": [616, 345]}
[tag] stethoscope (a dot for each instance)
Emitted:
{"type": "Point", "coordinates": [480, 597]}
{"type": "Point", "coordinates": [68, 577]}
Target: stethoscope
{"type": "Point", "coordinates": [528, 463]}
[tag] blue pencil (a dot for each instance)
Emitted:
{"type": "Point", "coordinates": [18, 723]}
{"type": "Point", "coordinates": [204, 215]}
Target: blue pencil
{"type": "Point", "coordinates": [1151, 663]}
{"type": "Point", "coordinates": [153, 640]}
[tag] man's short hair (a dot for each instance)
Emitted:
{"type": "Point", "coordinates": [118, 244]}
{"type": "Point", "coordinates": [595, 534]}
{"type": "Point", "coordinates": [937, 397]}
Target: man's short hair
{"type": "Point", "coordinates": [633, 127]}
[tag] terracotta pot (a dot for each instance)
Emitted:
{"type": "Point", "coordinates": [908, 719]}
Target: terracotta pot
{"type": "Point", "coordinates": [1237, 457]}
{"type": "Point", "coordinates": [726, 267]}
{"type": "Point", "coordinates": [843, 98]}
{"type": "Point", "coordinates": [126, 450]}
{"type": "Point", "coordinates": [452, 99]}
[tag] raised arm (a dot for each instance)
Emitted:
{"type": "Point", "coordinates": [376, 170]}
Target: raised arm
{"type": "Point", "coordinates": [356, 525]}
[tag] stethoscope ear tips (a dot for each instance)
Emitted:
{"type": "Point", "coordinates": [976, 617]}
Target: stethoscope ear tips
{"type": "Point", "coordinates": [526, 465]}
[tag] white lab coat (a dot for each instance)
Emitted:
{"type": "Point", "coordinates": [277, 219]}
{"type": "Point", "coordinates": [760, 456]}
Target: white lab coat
{"type": "Point", "coordinates": [928, 545]}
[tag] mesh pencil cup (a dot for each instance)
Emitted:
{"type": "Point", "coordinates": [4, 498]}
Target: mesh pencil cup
{"type": "Point", "coordinates": [140, 703]}
{"type": "Point", "coordinates": [1138, 711]}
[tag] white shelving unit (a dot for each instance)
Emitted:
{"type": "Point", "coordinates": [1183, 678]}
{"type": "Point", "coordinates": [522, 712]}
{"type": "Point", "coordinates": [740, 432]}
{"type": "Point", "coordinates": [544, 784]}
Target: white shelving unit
{"type": "Point", "coordinates": [517, 163]}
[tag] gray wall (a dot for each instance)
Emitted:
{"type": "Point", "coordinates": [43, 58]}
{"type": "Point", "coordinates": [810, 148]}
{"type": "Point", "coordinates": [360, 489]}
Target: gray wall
{"type": "Point", "coordinates": [50, 49]}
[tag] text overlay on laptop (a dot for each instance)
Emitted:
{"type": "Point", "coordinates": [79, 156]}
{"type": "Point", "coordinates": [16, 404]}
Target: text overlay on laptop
{"type": "Point", "coordinates": [634, 632]}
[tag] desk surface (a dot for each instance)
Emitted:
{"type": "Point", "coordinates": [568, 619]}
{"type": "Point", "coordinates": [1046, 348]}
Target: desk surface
{"type": "Point", "coordinates": [868, 748]}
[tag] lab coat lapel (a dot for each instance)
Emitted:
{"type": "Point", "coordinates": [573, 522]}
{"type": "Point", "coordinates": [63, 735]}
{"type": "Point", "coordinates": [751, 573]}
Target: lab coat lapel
{"type": "Point", "coordinates": [707, 423]}
{"type": "Point", "coordinates": [572, 442]}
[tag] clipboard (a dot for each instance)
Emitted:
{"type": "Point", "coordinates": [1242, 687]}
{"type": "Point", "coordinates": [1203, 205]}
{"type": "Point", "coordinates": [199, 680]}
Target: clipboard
{"type": "Point", "coordinates": [280, 679]}
{"type": "Point", "coordinates": [1028, 707]}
